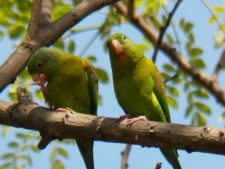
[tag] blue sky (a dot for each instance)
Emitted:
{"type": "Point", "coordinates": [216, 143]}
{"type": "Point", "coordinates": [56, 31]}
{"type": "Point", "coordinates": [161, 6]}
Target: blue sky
{"type": "Point", "coordinates": [107, 155]}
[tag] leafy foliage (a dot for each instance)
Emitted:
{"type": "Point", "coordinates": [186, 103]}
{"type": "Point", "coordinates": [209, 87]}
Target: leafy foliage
{"type": "Point", "coordinates": [14, 18]}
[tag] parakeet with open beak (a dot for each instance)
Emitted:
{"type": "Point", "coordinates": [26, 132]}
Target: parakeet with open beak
{"type": "Point", "coordinates": [138, 86]}
{"type": "Point", "coordinates": [67, 81]}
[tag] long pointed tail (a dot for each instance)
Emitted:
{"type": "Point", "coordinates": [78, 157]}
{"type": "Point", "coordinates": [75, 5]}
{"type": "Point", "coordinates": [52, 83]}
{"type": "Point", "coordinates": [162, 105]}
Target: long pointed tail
{"type": "Point", "coordinates": [171, 156]}
{"type": "Point", "coordinates": [86, 150]}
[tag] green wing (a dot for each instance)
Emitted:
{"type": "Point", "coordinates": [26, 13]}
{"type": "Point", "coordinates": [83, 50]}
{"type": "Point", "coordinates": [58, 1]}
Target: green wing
{"type": "Point", "coordinates": [160, 94]}
{"type": "Point", "coordinates": [162, 102]}
{"type": "Point", "coordinates": [92, 86]}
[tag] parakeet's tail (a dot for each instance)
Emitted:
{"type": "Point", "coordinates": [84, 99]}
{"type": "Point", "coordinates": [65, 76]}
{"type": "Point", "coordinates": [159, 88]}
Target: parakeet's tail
{"type": "Point", "coordinates": [171, 156]}
{"type": "Point", "coordinates": [86, 150]}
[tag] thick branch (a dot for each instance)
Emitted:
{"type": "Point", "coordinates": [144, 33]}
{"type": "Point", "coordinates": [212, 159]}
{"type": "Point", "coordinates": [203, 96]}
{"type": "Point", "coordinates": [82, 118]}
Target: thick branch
{"type": "Point", "coordinates": [197, 75]}
{"type": "Point", "coordinates": [66, 125]}
{"type": "Point", "coordinates": [46, 35]}
{"type": "Point", "coordinates": [46, 10]}
{"type": "Point", "coordinates": [18, 59]}
{"type": "Point", "coordinates": [52, 32]}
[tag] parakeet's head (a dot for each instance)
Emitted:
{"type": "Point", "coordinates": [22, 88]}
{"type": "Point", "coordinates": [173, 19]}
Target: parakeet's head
{"type": "Point", "coordinates": [123, 50]}
{"type": "Point", "coordinates": [41, 65]}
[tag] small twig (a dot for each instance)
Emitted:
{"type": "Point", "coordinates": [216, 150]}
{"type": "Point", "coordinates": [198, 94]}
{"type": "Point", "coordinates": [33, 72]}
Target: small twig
{"type": "Point", "coordinates": [163, 30]}
{"type": "Point", "coordinates": [89, 43]}
{"type": "Point", "coordinates": [178, 41]}
{"type": "Point", "coordinates": [23, 96]}
{"type": "Point", "coordinates": [171, 78]}
{"type": "Point", "coordinates": [45, 140]}
{"type": "Point", "coordinates": [125, 155]}
{"type": "Point", "coordinates": [205, 3]}
{"type": "Point", "coordinates": [158, 165]}
{"type": "Point", "coordinates": [81, 30]}
{"type": "Point", "coordinates": [219, 65]}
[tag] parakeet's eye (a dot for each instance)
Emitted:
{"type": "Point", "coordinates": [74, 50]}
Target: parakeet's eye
{"type": "Point", "coordinates": [124, 37]}
{"type": "Point", "coordinates": [39, 64]}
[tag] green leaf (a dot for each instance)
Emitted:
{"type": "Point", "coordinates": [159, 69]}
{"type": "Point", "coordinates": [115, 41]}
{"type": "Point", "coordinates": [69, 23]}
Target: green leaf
{"type": "Point", "coordinates": [222, 117]}
{"type": "Point", "coordinates": [91, 58]}
{"type": "Point", "coordinates": [5, 130]}
{"type": "Point", "coordinates": [62, 152]}
{"type": "Point", "coordinates": [27, 158]}
{"type": "Point", "coordinates": [193, 52]}
{"type": "Point", "coordinates": [200, 93]}
{"type": "Point", "coordinates": [25, 75]}
{"type": "Point", "coordinates": [165, 76]}
{"type": "Point", "coordinates": [201, 119]}
{"type": "Point", "coordinates": [13, 144]}
{"type": "Point", "coordinates": [59, 44]}
{"type": "Point", "coordinates": [1, 33]}
{"type": "Point", "coordinates": [173, 90]}
{"type": "Point", "coordinates": [39, 94]}
{"type": "Point", "coordinates": [198, 63]}
{"type": "Point", "coordinates": [190, 97]}
{"type": "Point", "coordinates": [187, 27]}
{"type": "Point", "coordinates": [71, 46]}
{"type": "Point", "coordinates": [8, 156]}
{"type": "Point", "coordinates": [6, 165]}
{"type": "Point", "coordinates": [58, 151]}
{"type": "Point", "coordinates": [204, 108]}
{"type": "Point", "coordinates": [16, 30]}
{"type": "Point", "coordinates": [102, 75]}
{"type": "Point", "coordinates": [21, 136]}
{"type": "Point", "coordinates": [172, 102]}
{"type": "Point", "coordinates": [57, 165]}
{"type": "Point", "coordinates": [188, 110]}
{"type": "Point", "coordinates": [212, 20]}
{"type": "Point", "coordinates": [168, 68]}
{"type": "Point", "coordinates": [34, 148]}
{"type": "Point", "coordinates": [218, 9]}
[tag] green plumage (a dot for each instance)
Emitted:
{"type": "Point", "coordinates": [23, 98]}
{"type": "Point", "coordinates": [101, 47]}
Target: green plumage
{"type": "Point", "coordinates": [138, 85]}
{"type": "Point", "coordinates": [72, 83]}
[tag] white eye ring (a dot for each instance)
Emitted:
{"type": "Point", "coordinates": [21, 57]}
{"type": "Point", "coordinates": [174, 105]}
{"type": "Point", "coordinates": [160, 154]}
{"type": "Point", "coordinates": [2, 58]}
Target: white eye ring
{"type": "Point", "coordinates": [39, 64]}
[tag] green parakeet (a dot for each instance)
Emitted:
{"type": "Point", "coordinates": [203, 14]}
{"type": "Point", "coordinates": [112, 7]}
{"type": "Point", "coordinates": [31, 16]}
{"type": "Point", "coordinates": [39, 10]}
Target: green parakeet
{"type": "Point", "coordinates": [138, 86]}
{"type": "Point", "coordinates": [67, 81]}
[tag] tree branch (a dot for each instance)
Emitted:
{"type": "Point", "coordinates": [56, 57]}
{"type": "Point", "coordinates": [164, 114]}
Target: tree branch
{"type": "Point", "coordinates": [163, 30]}
{"type": "Point", "coordinates": [125, 155]}
{"type": "Point", "coordinates": [34, 21]}
{"type": "Point", "coordinates": [61, 125]}
{"type": "Point", "coordinates": [197, 75]}
{"type": "Point", "coordinates": [46, 12]}
{"type": "Point", "coordinates": [52, 32]}
{"type": "Point", "coordinates": [18, 59]}
{"type": "Point", "coordinates": [219, 66]}
{"type": "Point", "coordinates": [131, 8]}
{"type": "Point", "coordinates": [47, 35]}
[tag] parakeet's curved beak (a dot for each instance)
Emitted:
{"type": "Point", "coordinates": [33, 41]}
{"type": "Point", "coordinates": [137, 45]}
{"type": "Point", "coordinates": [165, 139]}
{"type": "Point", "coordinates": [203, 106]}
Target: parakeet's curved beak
{"type": "Point", "coordinates": [118, 49]}
{"type": "Point", "coordinates": [40, 80]}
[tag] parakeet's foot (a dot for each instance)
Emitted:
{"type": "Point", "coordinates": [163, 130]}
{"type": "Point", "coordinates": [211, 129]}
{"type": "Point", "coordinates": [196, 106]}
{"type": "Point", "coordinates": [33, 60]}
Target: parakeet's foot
{"type": "Point", "coordinates": [65, 110]}
{"type": "Point", "coordinates": [122, 117]}
{"type": "Point", "coordinates": [133, 120]}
